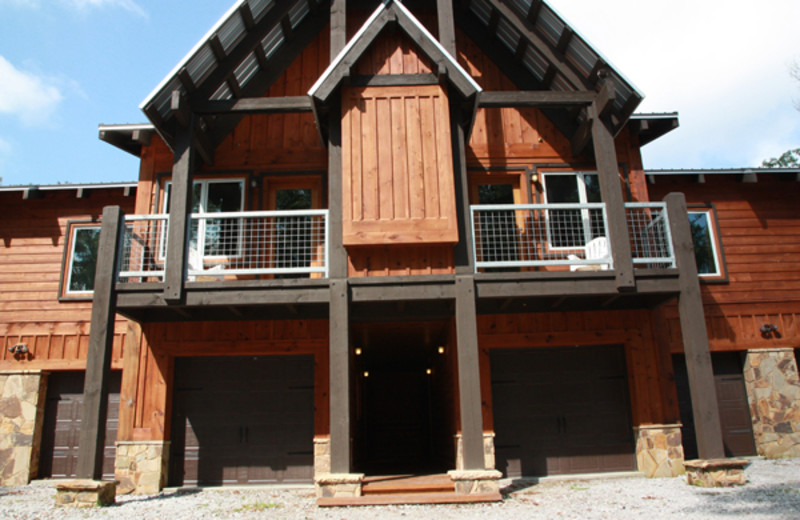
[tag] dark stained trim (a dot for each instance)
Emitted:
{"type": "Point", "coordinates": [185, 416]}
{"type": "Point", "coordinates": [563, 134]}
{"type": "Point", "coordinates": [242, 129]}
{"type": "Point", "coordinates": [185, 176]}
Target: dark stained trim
{"type": "Point", "coordinates": [101, 342]}
{"type": "Point", "coordinates": [469, 379]}
{"type": "Point", "coordinates": [463, 254]}
{"type": "Point", "coordinates": [338, 27]}
{"type": "Point", "coordinates": [393, 80]}
{"type": "Point", "coordinates": [259, 105]}
{"type": "Point", "coordinates": [179, 216]}
{"type": "Point", "coordinates": [695, 335]}
{"type": "Point", "coordinates": [337, 255]}
{"type": "Point", "coordinates": [447, 29]}
{"type": "Point", "coordinates": [610, 187]}
{"type": "Point", "coordinates": [340, 377]}
{"type": "Point", "coordinates": [536, 99]}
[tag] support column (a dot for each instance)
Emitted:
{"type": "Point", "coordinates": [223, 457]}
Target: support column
{"type": "Point", "coordinates": [340, 377]}
{"type": "Point", "coordinates": [447, 30]}
{"type": "Point", "coordinates": [611, 190]}
{"type": "Point", "coordinates": [469, 378]}
{"type": "Point", "coordinates": [465, 263]}
{"type": "Point", "coordinates": [101, 341]}
{"type": "Point", "coordinates": [180, 209]}
{"type": "Point", "coordinates": [695, 336]}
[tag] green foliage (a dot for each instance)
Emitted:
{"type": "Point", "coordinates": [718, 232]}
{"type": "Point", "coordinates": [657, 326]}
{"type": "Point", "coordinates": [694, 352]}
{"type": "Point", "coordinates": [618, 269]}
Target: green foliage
{"type": "Point", "coordinates": [790, 159]}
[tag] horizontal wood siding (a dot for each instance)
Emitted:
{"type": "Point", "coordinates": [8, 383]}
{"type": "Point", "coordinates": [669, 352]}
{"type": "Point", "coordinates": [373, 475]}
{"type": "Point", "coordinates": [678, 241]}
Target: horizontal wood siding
{"type": "Point", "coordinates": [398, 185]}
{"type": "Point", "coordinates": [653, 398]}
{"type": "Point", "coordinates": [759, 228]}
{"type": "Point", "coordinates": [147, 385]}
{"type": "Point", "coordinates": [33, 234]}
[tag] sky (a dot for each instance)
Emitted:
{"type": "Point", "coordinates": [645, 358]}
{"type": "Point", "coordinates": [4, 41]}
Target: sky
{"type": "Point", "coordinates": [67, 66]}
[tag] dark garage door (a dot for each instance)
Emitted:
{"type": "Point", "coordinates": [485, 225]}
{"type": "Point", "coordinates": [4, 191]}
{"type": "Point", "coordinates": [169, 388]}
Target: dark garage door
{"type": "Point", "coordinates": [243, 420]}
{"type": "Point", "coordinates": [561, 411]}
{"type": "Point", "coordinates": [734, 411]}
{"type": "Point", "coordinates": [62, 425]}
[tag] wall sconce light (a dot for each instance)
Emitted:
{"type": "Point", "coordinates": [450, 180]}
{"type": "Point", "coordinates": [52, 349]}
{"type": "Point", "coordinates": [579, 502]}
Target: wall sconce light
{"type": "Point", "coordinates": [534, 178]}
{"type": "Point", "coordinates": [358, 351]}
{"type": "Point", "coordinates": [768, 329]}
{"type": "Point", "coordinates": [366, 373]}
{"type": "Point", "coordinates": [20, 348]}
{"type": "Point", "coordinates": [429, 371]}
{"type": "Point", "coordinates": [441, 350]}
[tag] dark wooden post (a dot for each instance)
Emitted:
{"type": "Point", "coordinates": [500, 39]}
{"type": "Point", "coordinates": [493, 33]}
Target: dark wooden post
{"type": "Point", "coordinates": [695, 336]}
{"type": "Point", "coordinates": [469, 379]}
{"type": "Point", "coordinates": [340, 376]}
{"type": "Point", "coordinates": [611, 190]}
{"type": "Point", "coordinates": [101, 341]}
{"type": "Point", "coordinates": [465, 263]}
{"type": "Point", "coordinates": [180, 209]}
{"type": "Point", "coordinates": [338, 27]}
{"type": "Point", "coordinates": [447, 30]}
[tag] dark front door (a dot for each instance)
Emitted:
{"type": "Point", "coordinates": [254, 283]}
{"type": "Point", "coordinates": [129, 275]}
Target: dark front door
{"type": "Point", "coordinates": [62, 425]}
{"type": "Point", "coordinates": [243, 420]}
{"type": "Point", "coordinates": [561, 411]}
{"type": "Point", "coordinates": [734, 411]}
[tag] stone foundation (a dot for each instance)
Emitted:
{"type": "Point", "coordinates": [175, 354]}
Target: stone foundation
{"type": "Point", "coordinates": [773, 392]}
{"type": "Point", "coordinates": [339, 485]}
{"type": "Point", "coordinates": [659, 450]}
{"type": "Point", "coordinates": [141, 467]}
{"type": "Point", "coordinates": [488, 451]}
{"type": "Point", "coordinates": [85, 493]}
{"type": "Point", "coordinates": [475, 482]}
{"type": "Point", "coordinates": [322, 456]}
{"type": "Point", "coordinates": [22, 400]}
{"type": "Point", "coordinates": [716, 472]}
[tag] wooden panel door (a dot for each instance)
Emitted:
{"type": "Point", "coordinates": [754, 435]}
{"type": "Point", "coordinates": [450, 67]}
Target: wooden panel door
{"type": "Point", "coordinates": [398, 185]}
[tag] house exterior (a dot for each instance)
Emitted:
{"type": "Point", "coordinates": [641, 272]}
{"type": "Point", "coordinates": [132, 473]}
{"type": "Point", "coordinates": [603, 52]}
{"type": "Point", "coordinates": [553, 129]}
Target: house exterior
{"type": "Point", "coordinates": [378, 238]}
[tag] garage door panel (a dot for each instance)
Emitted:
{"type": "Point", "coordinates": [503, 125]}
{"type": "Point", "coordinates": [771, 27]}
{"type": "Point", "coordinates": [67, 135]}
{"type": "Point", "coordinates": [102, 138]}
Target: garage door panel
{"type": "Point", "coordinates": [577, 421]}
{"type": "Point", "coordinates": [253, 422]}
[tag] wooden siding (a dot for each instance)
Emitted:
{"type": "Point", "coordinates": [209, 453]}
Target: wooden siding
{"type": "Point", "coordinates": [759, 229]}
{"type": "Point", "coordinates": [653, 398]}
{"type": "Point", "coordinates": [397, 166]}
{"type": "Point", "coordinates": [147, 380]}
{"type": "Point", "coordinates": [393, 53]}
{"type": "Point", "coordinates": [33, 234]}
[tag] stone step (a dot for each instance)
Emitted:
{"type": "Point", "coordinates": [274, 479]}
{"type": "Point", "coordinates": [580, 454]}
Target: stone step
{"type": "Point", "coordinates": [412, 499]}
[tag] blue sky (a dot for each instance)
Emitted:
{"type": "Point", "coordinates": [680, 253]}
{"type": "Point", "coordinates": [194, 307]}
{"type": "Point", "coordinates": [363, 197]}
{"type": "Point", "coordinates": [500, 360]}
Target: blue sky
{"type": "Point", "coordinates": [68, 65]}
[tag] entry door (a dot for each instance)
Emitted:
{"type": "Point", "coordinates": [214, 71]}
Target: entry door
{"type": "Point", "coordinates": [243, 420]}
{"type": "Point", "coordinates": [561, 411]}
{"type": "Point", "coordinates": [62, 425]}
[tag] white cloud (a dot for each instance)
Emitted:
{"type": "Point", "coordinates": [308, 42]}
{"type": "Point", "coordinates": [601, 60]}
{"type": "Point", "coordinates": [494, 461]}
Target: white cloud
{"type": "Point", "coordinates": [128, 5]}
{"type": "Point", "coordinates": [27, 96]}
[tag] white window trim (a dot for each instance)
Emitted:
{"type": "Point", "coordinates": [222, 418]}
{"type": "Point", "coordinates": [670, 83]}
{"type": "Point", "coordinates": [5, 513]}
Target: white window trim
{"type": "Point", "coordinates": [582, 199]}
{"type": "Point", "coordinates": [201, 245]}
{"type": "Point", "coordinates": [71, 258]}
{"type": "Point", "coordinates": [713, 238]}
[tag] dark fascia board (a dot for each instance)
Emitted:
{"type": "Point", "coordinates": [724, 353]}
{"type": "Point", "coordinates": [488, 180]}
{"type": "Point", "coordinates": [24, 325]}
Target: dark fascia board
{"type": "Point", "coordinates": [726, 171]}
{"type": "Point", "coordinates": [129, 138]}
{"type": "Point", "coordinates": [649, 127]}
{"type": "Point", "coordinates": [31, 192]}
{"type": "Point", "coordinates": [387, 12]}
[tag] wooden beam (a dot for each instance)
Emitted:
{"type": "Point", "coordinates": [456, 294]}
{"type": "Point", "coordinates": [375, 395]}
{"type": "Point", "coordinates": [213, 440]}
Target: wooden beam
{"type": "Point", "coordinates": [180, 108]}
{"type": "Point", "coordinates": [533, 12]}
{"type": "Point", "coordinates": [582, 137]}
{"type": "Point", "coordinates": [447, 28]}
{"type": "Point", "coordinates": [247, 16]}
{"type": "Point", "coordinates": [702, 388]}
{"type": "Point", "coordinates": [186, 80]}
{"type": "Point", "coordinates": [564, 40]}
{"type": "Point", "coordinates": [469, 378]}
{"type": "Point", "coordinates": [605, 154]}
{"type": "Point", "coordinates": [179, 216]}
{"type": "Point", "coordinates": [338, 27]}
{"type": "Point", "coordinates": [339, 324]}
{"type": "Point", "coordinates": [101, 343]}
{"type": "Point", "coordinates": [260, 105]}
{"type": "Point", "coordinates": [32, 193]}
{"type": "Point", "coordinates": [338, 253]}
{"type": "Point", "coordinates": [394, 80]}
{"type": "Point", "coordinates": [605, 99]}
{"type": "Point", "coordinates": [465, 263]}
{"type": "Point", "coordinates": [536, 99]}
{"type": "Point", "coordinates": [143, 137]}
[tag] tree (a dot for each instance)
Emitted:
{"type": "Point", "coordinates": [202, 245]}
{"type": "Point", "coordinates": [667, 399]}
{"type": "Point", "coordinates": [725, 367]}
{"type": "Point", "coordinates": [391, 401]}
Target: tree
{"type": "Point", "coordinates": [789, 159]}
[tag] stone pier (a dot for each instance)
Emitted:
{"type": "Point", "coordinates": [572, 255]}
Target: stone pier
{"type": "Point", "coordinates": [659, 450]}
{"type": "Point", "coordinates": [22, 401]}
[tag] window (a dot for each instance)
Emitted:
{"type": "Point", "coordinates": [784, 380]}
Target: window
{"type": "Point", "coordinates": [81, 259]}
{"type": "Point", "coordinates": [216, 238]}
{"type": "Point", "coordinates": [573, 228]}
{"type": "Point", "coordinates": [706, 247]}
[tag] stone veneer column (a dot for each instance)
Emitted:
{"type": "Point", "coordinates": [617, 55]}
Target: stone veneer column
{"type": "Point", "coordinates": [322, 456]}
{"type": "Point", "coordinates": [773, 391]}
{"type": "Point", "coordinates": [488, 451]}
{"type": "Point", "coordinates": [141, 466]}
{"type": "Point", "coordinates": [22, 399]}
{"type": "Point", "coordinates": [659, 450]}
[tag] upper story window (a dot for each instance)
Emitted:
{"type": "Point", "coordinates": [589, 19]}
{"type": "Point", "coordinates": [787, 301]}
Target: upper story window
{"type": "Point", "coordinates": [81, 259]}
{"type": "Point", "coordinates": [707, 247]}
{"type": "Point", "coordinates": [216, 238]}
{"type": "Point", "coordinates": [573, 228]}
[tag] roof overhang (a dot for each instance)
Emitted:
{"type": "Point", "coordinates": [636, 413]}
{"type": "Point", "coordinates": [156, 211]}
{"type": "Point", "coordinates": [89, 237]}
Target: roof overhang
{"type": "Point", "coordinates": [649, 127]}
{"type": "Point", "coordinates": [129, 138]}
{"type": "Point", "coordinates": [32, 192]}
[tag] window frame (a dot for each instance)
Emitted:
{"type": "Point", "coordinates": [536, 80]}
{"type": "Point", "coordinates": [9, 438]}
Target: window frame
{"type": "Point", "coordinates": [710, 210]}
{"type": "Point", "coordinates": [73, 226]}
{"type": "Point", "coordinates": [586, 218]}
{"type": "Point", "coordinates": [204, 183]}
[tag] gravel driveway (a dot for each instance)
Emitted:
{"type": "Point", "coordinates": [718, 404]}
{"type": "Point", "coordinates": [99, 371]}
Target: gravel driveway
{"type": "Point", "coordinates": [772, 492]}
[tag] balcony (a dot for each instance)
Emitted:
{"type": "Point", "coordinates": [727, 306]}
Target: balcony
{"type": "Point", "coordinates": [560, 237]}
{"type": "Point", "coordinates": [229, 246]}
